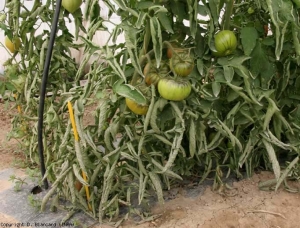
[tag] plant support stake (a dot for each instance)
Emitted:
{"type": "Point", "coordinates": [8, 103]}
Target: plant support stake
{"type": "Point", "coordinates": [43, 90]}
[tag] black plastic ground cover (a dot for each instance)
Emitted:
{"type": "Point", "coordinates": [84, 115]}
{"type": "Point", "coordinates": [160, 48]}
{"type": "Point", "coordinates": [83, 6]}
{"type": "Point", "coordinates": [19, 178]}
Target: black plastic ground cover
{"type": "Point", "coordinates": [43, 90]}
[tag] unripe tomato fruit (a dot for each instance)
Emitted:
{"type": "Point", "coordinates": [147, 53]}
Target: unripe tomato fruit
{"type": "Point", "coordinates": [78, 185]}
{"type": "Point", "coordinates": [135, 107]}
{"type": "Point", "coordinates": [225, 42]}
{"type": "Point", "coordinates": [217, 54]}
{"type": "Point", "coordinates": [71, 5]}
{"type": "Point", "coordinates": [169, 53]}
{"type": "Point", "coordinates": [152, 78]}
{"type": "Point", "coordinates": [229, 145]}
{"type": "Point", "coordinates": [182, 63]}
{"type": "Point", "coordinates": [174, 89]}
{"type": "Point", "coordinates": [250, 10]}
{"type": "Point", "coordinates": [175, 47]}
{"type": "Point", "coordinates": [2, 17]}
{"type": "Point", "coordinates": [153, 74]}
{"type": "Point", "coordinates": [13, 45]}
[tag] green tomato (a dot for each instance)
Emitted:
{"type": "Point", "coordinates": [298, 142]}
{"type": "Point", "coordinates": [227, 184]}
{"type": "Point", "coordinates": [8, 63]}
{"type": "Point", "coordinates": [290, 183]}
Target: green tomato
{"type": "Point", "coordinates": [174, 89]}
{"type": "Point", "coordinates": [2, 17]}
{"type": "Point", "coordinates": [182, 63]}
{"type": "Point", "coordinates": [229, 145]}
{"type": "Point", "coordinates": [135, 107]}
{"type": "Point", "coordinates": [13, 45]}
{"type": "Point", "coordinates": [175, 46]}
{"type": "Point", "coordinates": [154, 74]}
{"type": "Point", "coordinates": [225, 42]}
{"type": "Point", "coordinates": [250, 10]}
{"type": "Point", "coordinates": [71, 5]}
{"type": "Point", "coordinates": [152, 78]}
{"type": "Point", "coordinates": [217, 54]}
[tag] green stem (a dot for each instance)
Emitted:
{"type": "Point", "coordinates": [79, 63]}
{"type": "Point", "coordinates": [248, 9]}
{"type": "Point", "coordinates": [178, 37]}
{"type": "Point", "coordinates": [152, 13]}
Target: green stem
{"type": "Point", "coordinates": [228, 12]}
{"type": "Point", "coordinates": [202, 22]}
{"type": "Point", "coordinates": [10, 16]}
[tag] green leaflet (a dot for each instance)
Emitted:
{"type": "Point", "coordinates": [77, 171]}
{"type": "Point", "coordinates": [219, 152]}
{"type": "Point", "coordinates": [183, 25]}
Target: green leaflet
{"type": "Point", "coordinates": [249, 36]}
{"type": "Point", "coordinates": [273, 158]}
{"type": "Point", "coordinates": [157, 185]}
{"type": "Point", "coordinates": [156, 39]}
{"type": "Point", "coordinates": [281, 14]}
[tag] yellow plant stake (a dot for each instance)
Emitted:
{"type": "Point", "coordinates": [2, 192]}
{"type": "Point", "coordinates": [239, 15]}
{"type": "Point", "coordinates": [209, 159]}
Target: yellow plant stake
{"type": "Point", "coordinates": [77, 139]}
{"type": "Point", "coordinates": [19, 107]}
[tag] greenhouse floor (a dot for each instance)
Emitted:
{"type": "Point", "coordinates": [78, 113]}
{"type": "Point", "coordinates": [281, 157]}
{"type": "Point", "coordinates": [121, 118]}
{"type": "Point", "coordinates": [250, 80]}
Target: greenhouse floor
{"type": "Point", "coordinates": [19, 209]}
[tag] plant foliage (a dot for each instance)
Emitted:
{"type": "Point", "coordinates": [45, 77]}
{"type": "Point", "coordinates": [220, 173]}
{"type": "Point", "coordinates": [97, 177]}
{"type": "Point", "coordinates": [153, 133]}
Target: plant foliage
{"type": "Point", "coordinates": [243, 112]}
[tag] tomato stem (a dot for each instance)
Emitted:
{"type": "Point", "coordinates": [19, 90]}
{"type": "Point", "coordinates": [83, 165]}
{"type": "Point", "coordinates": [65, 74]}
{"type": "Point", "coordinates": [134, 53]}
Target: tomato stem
{"type": "Point", "coordinates": [228, 12]}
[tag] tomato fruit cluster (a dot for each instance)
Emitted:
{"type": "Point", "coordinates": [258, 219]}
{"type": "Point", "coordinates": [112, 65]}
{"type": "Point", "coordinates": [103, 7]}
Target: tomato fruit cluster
{"type": "Point", "coordinates": [181, 63]}
{"type": "Point", "coordinates": [174, 88]}
{"type": "Point", "coordinates": [225, 42]}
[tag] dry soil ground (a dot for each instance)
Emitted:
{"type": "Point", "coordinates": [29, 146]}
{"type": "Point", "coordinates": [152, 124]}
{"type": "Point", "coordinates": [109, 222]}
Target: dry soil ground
{"type": "Point", "coordinates": [246, 206]}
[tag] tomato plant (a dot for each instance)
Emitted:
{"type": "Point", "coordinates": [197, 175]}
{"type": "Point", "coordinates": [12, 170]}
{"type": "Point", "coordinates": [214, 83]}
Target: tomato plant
{"type": "Point", "coordinates": [248, 96]}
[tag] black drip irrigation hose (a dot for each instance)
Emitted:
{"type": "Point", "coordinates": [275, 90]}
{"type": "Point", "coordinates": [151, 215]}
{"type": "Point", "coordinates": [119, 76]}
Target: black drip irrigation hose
{"type": "Point", "coordinates": [43, 90]}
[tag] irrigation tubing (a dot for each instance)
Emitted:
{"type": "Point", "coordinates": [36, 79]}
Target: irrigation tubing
{"type": "Point", "coordinates": [43, 90]}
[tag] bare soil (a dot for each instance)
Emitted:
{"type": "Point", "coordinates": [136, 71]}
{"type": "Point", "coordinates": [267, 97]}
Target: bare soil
{"type": "Point", "coordinates": [245, 206]}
